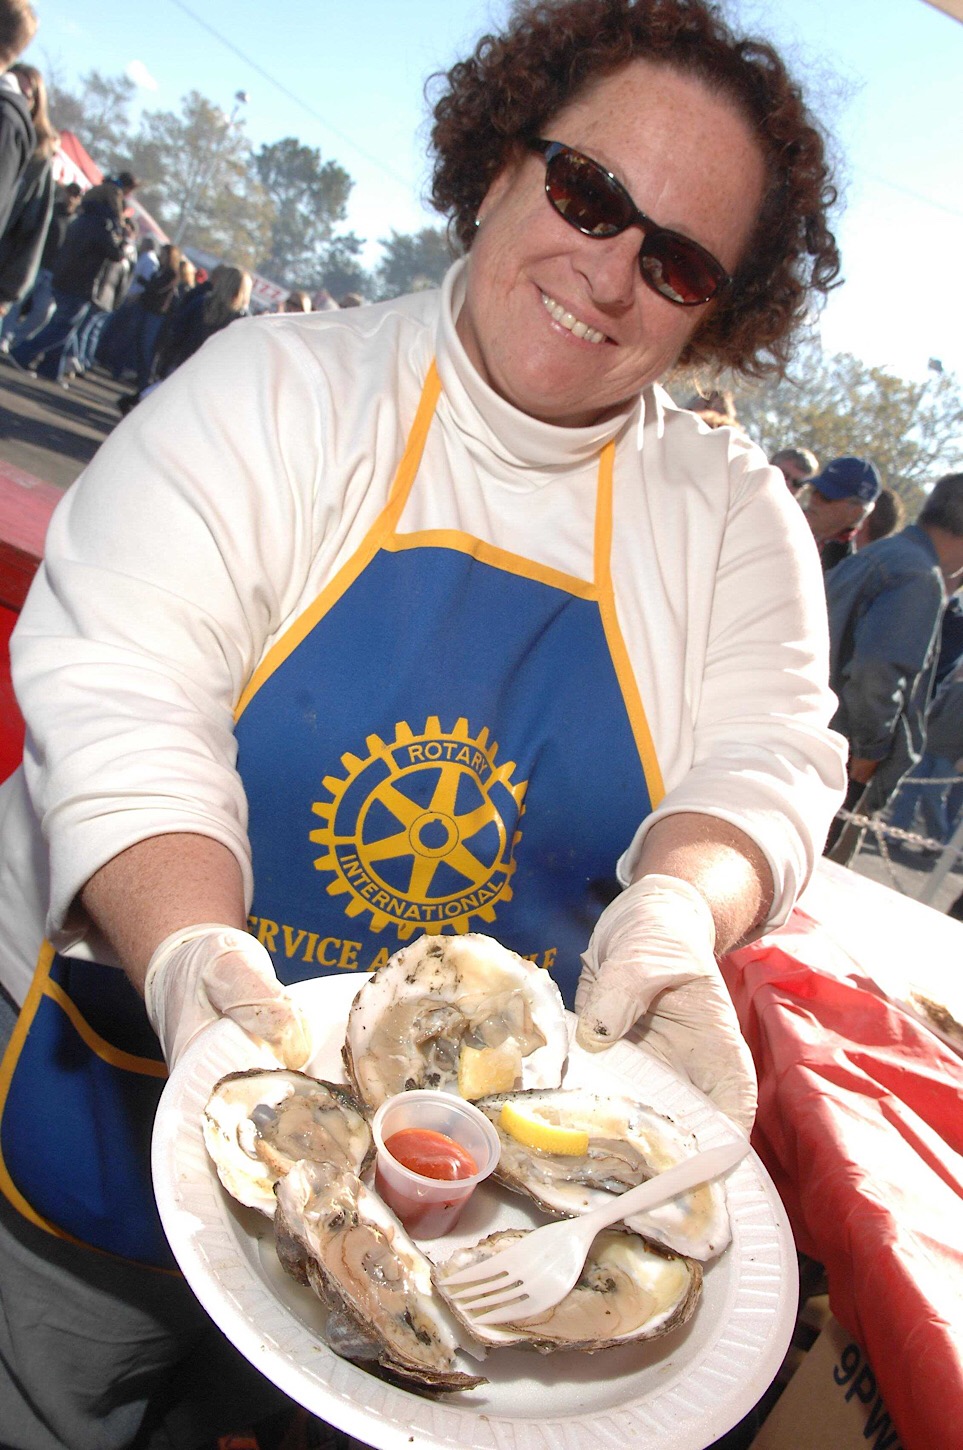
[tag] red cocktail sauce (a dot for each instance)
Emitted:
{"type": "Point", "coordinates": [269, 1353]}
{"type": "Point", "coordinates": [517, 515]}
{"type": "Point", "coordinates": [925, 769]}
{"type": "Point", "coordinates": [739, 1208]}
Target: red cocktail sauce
{"type": "Point", "coordinates": [433, 1155]}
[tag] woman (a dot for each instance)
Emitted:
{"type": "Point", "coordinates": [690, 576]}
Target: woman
{"type": "Point", "coordinates": [151, 309]}
{"type": "Point", "coordinates": [438, 613]}
{"type": "Point", "coordinates": [22, 242]}
{"type": "Point", "coordinates": [297, 301]}
{"type": "Point", "coordinates": [202, 312]}
{"type": "Point", "coordinates": [187, 279]}
{"type": "Point", "coordinates": [195, 317]}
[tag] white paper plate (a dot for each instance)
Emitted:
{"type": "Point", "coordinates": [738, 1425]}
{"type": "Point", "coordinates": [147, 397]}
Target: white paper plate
{"type": "Point", "coordinates": [678, 1393]}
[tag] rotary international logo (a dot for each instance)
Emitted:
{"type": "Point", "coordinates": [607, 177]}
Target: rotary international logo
{"type": "Point", "coordinates": [421, 832]}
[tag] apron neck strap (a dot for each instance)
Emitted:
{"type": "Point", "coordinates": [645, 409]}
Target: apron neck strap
{"type": "Point", "coordinates": [411, 461]}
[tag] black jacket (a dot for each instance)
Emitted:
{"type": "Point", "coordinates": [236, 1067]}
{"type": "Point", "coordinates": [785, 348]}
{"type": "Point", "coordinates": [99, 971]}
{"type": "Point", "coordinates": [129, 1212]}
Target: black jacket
{"type": "Point", "coordinates": [22, 243]}
{"type": "Point", "coordinates": [159, 293]}
{"type": "Point", "coordinates": [186, 330]}
{"type": "Point", "coordinates": [60, 220]}
{"type": "Point", "coordinates": [18, 142]}
{"type": "Point", "coordinates": [94, 236]}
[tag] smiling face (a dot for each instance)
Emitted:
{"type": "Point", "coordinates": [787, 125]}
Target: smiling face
{"type": "Point", "coordinates": [562, 325]}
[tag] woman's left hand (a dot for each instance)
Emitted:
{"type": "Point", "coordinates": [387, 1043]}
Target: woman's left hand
{"type": "Point", "coordinates": [651, 958]}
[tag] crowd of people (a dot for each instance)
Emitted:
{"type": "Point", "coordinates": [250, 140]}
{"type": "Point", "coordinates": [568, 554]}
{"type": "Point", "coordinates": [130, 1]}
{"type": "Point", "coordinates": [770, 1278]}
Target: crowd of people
{"type": "Point", "coordinates": [896, 631]}
{"type": "Point", "coordinates": [83, 280]}
{"type": "Point", "coordinates": [896, 637]}
{"type": "Point", "coordinates": [98, 296]}
{"type": "Point", "coordinates": [89, 290]}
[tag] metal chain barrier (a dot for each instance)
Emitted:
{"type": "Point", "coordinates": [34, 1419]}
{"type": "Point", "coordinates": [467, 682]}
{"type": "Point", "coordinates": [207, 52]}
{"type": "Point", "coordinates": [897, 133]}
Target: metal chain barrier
{"type": "Point", "coordinates": [885, 833]}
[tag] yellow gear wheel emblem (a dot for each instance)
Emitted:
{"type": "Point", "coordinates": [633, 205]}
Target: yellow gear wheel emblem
{"type": "Point", "coordinates": [422, 832]}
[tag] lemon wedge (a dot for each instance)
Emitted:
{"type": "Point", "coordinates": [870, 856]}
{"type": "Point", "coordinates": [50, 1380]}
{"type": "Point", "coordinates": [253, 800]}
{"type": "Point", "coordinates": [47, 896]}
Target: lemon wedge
{"type": "Point", "coordinates": [536, 1133]}
{"type": "Point", "coordinates": [484, 1070]}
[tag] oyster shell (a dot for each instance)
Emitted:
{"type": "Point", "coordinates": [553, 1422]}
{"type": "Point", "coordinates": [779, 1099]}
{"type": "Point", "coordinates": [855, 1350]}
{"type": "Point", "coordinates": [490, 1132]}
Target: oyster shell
{"type": "Point", "coordinates": [409, 1022]}
{"type": "Point", "coordinates": [338, 1238]}
{"type": "Point", "coordinates": [628, 1143]}
{"type": "Point", "coordinates": [258, 1123]}
{"type": "Point", "coordinates": [627, 1291]}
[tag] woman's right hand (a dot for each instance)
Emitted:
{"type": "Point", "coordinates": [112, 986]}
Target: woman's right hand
{"type": "Point", "coordinates": [202, 973]}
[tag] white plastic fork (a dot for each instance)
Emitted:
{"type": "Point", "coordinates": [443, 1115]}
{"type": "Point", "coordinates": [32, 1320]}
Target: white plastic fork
{"type": "Point", "coordinates": [539, 1270]}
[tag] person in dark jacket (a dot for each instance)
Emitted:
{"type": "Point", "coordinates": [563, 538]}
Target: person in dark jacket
{"type": "Point", "coordinates": [29, 317]}
{"type": "Point", "coordinates": [200, 313]}
{"type": "Point", "coordinates": [18, 25]}
{"type": "Point", "coordinates": [939, 805]}
{"type": "Point", "coordinates": [95, 236]}
{"type": "Point", "coordinates": [23, 238]}
{"type": "Point", "coordinates": [204, 310]}
{"type": "Point", "coordinates": [886, 607]}
{"type": "Point", "coordinates": [154, 305]}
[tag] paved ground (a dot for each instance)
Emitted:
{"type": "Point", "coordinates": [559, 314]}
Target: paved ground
{"type": "Point", "coordinates": [909, 873]}
{"type": "Point", "coordinates": [50, 431]}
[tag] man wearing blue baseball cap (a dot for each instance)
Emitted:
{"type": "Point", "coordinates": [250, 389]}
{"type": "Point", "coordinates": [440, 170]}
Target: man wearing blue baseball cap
{"type": "Point", "coordinates": [840, 499]}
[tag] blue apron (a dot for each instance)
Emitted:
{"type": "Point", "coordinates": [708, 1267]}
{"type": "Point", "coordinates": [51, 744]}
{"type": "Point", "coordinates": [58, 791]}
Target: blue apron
{"type": "Point", "coordinates": [449, 739]}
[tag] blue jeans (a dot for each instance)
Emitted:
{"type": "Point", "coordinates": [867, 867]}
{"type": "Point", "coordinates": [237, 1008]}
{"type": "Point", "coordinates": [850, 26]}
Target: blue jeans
{"type": "Point", "coordinates": [49, 341]}
{"type": "Point", "coordinates": [22, 322]}
{"type": "Point", "coordinates": [150, 329]}
{"type": "Point", "coordinates": [939, 805]}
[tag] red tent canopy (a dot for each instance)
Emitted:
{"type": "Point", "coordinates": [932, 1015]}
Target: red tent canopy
{"type": "Point", "coordinates": [72, 163]}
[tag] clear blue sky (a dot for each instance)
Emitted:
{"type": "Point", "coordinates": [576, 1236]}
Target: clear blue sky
{"type": "Point", "coordinates": [885, 75]}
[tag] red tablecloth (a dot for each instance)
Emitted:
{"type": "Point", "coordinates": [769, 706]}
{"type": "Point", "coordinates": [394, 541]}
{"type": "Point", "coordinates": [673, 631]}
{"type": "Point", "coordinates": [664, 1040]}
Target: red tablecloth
{"type": "Point", "coordinates": [860, 1125]}
{"type": "Point", "coordinates": [26, 504]}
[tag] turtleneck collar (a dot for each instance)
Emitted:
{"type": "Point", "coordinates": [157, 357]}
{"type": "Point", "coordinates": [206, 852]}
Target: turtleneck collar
{"type": "Point", "coordinates": [513, 437]}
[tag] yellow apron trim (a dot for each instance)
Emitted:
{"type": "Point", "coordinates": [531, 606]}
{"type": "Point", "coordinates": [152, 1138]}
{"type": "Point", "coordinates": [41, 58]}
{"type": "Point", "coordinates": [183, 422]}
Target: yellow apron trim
{"type": "Point", "coordinates": [11, 1056]}
{"type": "Point", "coordinates": [382, 535]}
{"type": "Point", "coordinates": [502, 559]}
{"type": "Point", "coordinates": [145, 1066]}
{"type": "Point", "coordinates": [38, 989]}
{"type": "Point", "coordinates": [613, 633]}
{"type": "Point", "coordinates": [383, 527]}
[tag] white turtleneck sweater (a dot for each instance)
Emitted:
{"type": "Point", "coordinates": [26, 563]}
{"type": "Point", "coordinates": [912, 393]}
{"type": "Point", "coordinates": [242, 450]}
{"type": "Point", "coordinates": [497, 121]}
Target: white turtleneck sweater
{"type": "Point", "coordinates": [212, 518]}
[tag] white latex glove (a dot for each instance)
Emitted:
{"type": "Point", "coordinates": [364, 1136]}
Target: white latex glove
{"type": "Point", "coordinates": [205, 972]}
{"type": "Point", "coordinates": [651, 958]}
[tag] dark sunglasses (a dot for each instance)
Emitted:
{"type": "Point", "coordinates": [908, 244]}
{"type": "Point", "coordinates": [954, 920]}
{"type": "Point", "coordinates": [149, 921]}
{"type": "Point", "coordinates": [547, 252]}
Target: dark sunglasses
{"type": "Point", "coordinates": [590, 199]}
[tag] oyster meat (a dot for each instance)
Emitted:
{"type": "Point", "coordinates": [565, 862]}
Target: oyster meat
{"type": "Point", "coordinates": [413, 1018]}
{"type": "Point", "coordinates": [338, 1238]}
{"type": "Point", "coordinates": [627, 1291]}
{"type": "Point", "coordinates": [258, 1123]}
{"type": "Point", "coordinates": [628, 1143]}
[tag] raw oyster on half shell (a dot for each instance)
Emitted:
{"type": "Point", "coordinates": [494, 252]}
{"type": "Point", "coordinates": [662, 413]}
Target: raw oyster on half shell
{"type": "Point", "coordinates": [337, 1237]}
{"type": "Point", "coordinates": [628, 1144]}
{"type": "Point", "coordinates": [260, 1122]}
{"type": "Point", "coordinates": [415, 1016]}
{"type": "Point", "coordinates": [627, 1291]}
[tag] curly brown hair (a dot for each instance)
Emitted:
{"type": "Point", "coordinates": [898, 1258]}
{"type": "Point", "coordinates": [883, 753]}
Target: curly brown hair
{"type": "Point", "coordinates": [514, 83]}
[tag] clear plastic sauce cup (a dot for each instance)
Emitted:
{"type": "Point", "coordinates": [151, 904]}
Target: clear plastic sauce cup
{"type": "Point", "coordinates": [429, 1207]}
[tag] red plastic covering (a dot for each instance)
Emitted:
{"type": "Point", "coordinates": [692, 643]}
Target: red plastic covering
{"type": "Point", "coordinates": [860, 1125]}
{"type": "Point", "coordinates": [11, 725]}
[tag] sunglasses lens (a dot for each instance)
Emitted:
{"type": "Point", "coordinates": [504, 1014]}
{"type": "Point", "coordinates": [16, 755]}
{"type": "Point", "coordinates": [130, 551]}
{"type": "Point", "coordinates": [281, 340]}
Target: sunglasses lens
{"type": "Point", "coordinates": [678, 269]}
{"type": "Point", "coordinates": [581, 192]}
{"type": "Point", "coordinates": [592, 202]}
